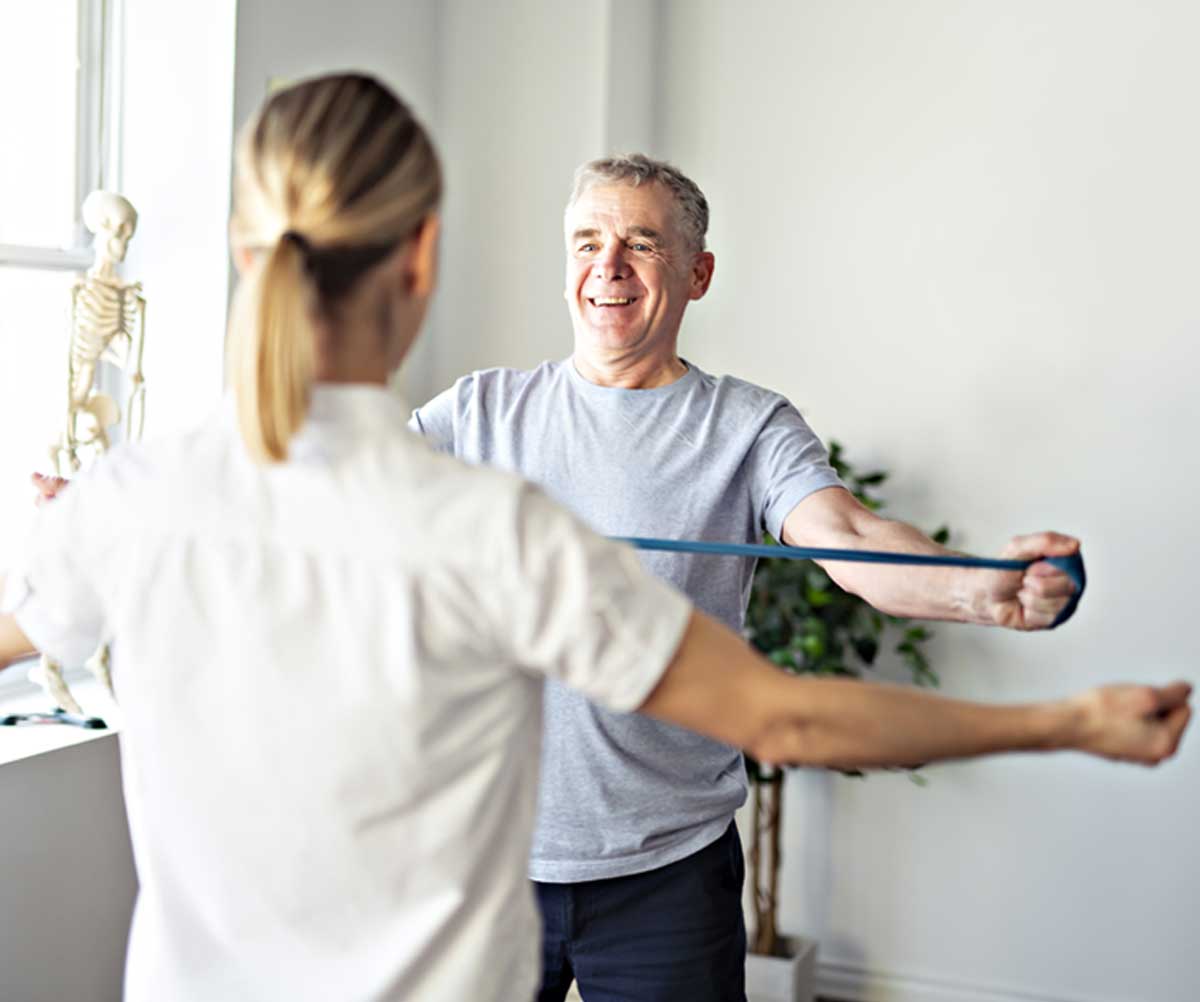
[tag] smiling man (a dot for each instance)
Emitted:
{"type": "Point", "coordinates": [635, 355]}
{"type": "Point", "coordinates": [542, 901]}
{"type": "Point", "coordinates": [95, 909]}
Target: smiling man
{"type": "Point", "coordinates": [636, 861]}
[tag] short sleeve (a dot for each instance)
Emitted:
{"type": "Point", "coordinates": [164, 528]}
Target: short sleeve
{"type": "Point", "coordinates": [786, 464]}
{"type": "Point", "coordinates": [52, 590]}
{"type": "Point", "coordinates": [583, 611]}
{"type": "Point", "coordinates": [435, 421]}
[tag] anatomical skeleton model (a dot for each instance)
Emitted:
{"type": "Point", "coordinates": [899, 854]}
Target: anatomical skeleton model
{"type": "Point", "coordinates": [108, 324]}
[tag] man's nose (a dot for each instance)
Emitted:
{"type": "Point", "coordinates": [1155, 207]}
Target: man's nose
{"type": "Point", "coordinates": [611, 263]}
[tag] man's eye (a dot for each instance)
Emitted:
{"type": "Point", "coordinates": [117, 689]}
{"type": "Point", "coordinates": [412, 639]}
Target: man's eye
{"type": "Point", "coordinates": [586, 248]}
{"type": "Point", "coordinates": [639, 247]}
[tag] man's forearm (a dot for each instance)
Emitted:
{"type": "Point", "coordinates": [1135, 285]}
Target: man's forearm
{"type": "Point", "coordinates": [1027, 600]}
{"type": "Point", "coordinates": [950, 593]}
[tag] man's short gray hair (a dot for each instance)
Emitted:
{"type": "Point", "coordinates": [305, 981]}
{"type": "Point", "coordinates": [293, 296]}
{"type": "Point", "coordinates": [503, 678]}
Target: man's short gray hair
{"type": "Point", "coordinates": [636, 169]}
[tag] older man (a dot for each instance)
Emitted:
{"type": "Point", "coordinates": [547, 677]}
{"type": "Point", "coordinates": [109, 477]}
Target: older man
{"type": "Point", "coordinates": [636, 861]}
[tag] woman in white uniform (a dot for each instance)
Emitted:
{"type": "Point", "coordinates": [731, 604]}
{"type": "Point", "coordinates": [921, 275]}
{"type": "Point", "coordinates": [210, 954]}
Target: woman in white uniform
{"type": "Point", "coordinates": [330, 642]}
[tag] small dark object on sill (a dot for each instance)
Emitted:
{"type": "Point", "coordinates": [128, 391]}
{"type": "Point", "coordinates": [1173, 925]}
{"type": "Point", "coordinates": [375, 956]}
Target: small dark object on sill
{"type": "Point", "coordinates": [57, 716]}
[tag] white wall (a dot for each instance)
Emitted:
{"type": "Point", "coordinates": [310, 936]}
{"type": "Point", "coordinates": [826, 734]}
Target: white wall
{"type": "Point", "coordinates": [178, 94]}
{"type": "Point", "coordinates": [522, 102]}
{"type": "Point", "coordinates": [397, 41]}
{"type": "Point", "coordinates": [516, 94]}
{"type": "Point", "coordinates": [293, 39]}
{"type": "Point", "coordinates": [960, 236]}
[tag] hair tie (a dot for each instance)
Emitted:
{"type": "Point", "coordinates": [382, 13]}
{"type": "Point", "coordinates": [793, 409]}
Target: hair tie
{"type": "Point", "coordinates": [291, 236]}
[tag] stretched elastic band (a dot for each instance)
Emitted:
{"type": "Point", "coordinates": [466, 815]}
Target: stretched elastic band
{"type": "Point", "coordinates": [1071, 565]}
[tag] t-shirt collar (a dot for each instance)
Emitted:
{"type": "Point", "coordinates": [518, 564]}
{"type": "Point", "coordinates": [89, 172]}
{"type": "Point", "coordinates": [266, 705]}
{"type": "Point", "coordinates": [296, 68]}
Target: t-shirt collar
{"type": "Point", "coordinates": [598, 392]}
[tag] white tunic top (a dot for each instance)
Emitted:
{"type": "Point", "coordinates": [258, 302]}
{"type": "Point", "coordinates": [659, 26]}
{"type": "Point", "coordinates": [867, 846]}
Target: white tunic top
{"type": "Point", "coordinates": [330, 672]}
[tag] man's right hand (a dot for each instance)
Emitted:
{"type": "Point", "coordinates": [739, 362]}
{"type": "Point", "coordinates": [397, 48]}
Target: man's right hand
{"type": "Point", "coordinates": [48, 488]}
{"type": "Point", "coordinates": [1133, 723]}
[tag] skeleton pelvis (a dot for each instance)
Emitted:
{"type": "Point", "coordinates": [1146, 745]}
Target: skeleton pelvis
{"type": "Point", "coordinates": [101, 409]}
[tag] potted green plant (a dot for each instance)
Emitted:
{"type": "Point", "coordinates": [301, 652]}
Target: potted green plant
{"type": "Point", "coordinates": [806, 624]}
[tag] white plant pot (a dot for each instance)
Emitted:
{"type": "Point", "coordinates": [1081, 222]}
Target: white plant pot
{"type": "Point", "coordinates": [783, 979]}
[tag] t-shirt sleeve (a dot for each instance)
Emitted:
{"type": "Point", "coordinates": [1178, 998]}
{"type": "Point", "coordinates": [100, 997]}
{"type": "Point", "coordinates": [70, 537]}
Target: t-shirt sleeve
{"type": "Point", "coordinates": [435, 421]}
{"type": "Point", "coordinates": [53, 589]}
{"type": "Point", "coordinates": [786, 464]}
{"type": "Point", "coordinates": [583, 611]}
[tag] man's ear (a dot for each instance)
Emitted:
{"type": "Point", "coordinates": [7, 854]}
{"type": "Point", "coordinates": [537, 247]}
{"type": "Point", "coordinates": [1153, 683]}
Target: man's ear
{"type": "Point", "coordinates": [702, 274]}
{"type": "Point", "coordinates": [424, 259]}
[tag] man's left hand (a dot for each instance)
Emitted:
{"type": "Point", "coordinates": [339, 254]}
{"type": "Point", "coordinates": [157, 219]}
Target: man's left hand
{"type": "Point", "coordinates": [1032, 599]}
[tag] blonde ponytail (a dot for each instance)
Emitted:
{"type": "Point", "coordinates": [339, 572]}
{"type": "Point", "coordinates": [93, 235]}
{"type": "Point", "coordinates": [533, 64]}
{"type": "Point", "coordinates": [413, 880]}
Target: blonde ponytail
{"type": "Point", "coordinates": [340, 167]}
{"type": "Point", "coordinates": [273, 351]}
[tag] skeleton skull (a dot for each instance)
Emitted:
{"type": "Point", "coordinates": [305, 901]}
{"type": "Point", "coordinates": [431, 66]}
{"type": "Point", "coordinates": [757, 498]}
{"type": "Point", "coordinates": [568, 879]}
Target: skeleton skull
{"type": "Point", "coordinates": [113, 220]}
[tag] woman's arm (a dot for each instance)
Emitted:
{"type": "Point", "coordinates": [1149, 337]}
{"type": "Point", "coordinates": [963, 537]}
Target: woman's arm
{"type": "Point", "coordinates": [14, 645]}
{"type": "Point", "coordinates": [718, 686]}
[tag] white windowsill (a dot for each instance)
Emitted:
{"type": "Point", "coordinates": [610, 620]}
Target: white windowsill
{"type": "Point", "coordinates": [60, 258]}
{"type": "Point", "coordinates": [27, 740]}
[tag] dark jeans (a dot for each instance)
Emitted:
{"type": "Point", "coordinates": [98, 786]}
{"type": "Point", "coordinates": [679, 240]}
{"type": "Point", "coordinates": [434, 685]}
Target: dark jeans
{"type": "Point", "coordinates": [669, 935]}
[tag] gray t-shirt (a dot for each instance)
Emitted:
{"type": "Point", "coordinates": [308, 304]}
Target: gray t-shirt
{"type": "Point", "coordinates": [705, 457]}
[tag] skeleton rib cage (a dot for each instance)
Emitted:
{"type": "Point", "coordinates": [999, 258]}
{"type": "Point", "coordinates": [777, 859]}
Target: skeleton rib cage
{"type": "Point", "coordinates": [106, 314]}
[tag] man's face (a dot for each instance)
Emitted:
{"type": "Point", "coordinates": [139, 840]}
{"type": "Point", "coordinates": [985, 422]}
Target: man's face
{"type": "Point", "coordinates": [630, 271]}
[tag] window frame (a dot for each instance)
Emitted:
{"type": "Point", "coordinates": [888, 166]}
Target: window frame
{"type": "Point", "coordinates": [97, 135]}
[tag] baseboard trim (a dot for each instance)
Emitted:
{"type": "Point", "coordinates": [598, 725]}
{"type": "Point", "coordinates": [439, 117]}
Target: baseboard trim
{"type": "Point", "coordinates": [858, 984]}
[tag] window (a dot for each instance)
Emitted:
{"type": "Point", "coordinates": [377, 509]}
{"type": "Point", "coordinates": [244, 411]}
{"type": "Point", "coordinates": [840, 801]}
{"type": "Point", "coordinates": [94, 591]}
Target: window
{"type": "Point", "coordinates": [57, 89]}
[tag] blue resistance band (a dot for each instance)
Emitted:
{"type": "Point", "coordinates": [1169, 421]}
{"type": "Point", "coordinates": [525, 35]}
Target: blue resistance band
{"type": "Point", "coordinates": [1072, 565]}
